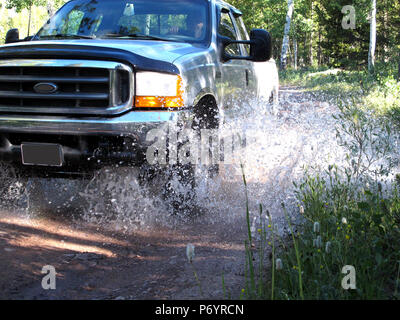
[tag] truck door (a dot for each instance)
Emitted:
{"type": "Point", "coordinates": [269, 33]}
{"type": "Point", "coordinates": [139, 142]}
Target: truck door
{"type": "Point", "coordinates": [233, 71]}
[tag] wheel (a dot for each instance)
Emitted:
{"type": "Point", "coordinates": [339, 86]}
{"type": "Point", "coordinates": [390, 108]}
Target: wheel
{"type": "Point", "coordinates": [179, 190]}
{"type": "Point", "coordinates": [208, 117]}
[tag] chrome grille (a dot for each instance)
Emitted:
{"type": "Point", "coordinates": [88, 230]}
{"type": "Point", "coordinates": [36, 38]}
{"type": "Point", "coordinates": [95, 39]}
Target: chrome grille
{"type": "Point", "coordinates": [82, 87]}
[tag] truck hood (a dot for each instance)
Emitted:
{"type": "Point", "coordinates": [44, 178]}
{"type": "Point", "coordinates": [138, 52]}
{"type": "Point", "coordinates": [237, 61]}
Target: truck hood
{"type": "Point", "coordinates": [156, 50]}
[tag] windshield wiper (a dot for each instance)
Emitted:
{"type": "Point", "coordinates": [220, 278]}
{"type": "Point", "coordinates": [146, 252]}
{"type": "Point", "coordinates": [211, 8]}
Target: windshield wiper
{"type": "Point", "coordinates": [65, 36]}
{"type": "Point", "coordinates": [134, 36]}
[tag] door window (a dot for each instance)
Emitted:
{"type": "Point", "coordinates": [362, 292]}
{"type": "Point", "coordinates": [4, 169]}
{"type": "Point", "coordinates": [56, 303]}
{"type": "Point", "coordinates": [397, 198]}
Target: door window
{"type": "Point", "coordinates": [243, 34]}
{"type": "Point", "coordinates": [227, 29]}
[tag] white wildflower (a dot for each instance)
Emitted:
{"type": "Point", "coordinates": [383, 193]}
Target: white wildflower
{"type": "Point", "coordinates": [278, 264]}
{"type": "Point", "coordinates": [253, 226]}
{"type": "Point", "coordinates": [344, 220]}
{"type": "Point", "coordinates": [190, 252]}
{"type": "Point", "coordinates": [317, 243]}
{"type": "Point", "coordinates": [328, 247]}
{"type": "Point", "coordinates": [316, 227]}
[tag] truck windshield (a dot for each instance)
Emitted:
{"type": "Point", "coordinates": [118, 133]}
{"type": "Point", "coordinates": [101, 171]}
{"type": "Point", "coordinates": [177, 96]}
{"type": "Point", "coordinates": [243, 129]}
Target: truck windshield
{"type": "Point", "coordinates": [165, 20]}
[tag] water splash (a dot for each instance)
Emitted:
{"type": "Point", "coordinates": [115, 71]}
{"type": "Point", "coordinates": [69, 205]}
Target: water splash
{"type": "Point", "coordinates": [275, 152]}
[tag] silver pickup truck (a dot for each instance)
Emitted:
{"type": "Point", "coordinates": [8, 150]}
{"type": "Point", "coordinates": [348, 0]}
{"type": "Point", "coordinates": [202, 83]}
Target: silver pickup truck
{"type": "Point", "coordinates": [100, 74]}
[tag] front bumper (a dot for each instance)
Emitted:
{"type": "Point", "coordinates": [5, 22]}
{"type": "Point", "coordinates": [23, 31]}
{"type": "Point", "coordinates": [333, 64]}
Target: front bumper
{"type": "Point", "coordinates": [87, 142]}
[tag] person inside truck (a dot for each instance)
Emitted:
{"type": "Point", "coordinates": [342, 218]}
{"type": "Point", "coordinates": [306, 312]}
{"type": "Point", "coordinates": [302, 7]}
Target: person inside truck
{"type": "Point", "coordinates": [195, 27]}
{"type": "Point", "coordinates": [198, 27]}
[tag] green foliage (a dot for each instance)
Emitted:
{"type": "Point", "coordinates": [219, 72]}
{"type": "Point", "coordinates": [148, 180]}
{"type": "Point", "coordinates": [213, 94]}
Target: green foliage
{"type": "Point", "coordinates": [10, 19]}
{"type": "Point", "coordinates": [14, 15]}
{"type": "Point", "coordinates": [369, 141]}
{"type": "Point", "coordinates": [266, 14]}
{"type": "Point", "coordinates": [340, 46]}
{"type": "Point", "coordinates": [317, 28]}
{"type": "Point", "coordinates": [361, 225]}
{"type": "Point", "coordinates": [19, 5]}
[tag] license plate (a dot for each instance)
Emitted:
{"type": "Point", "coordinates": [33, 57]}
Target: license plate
{"type": "Point", "coordinates": [42, 154]}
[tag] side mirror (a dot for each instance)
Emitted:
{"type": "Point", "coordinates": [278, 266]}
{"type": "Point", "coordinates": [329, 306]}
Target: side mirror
{"type": "Point", "coordinates": [261, 49]}
{"type": "Point", "coordinates": [260, 46]}
{"type": "Point", "coordinates": [12, 36]}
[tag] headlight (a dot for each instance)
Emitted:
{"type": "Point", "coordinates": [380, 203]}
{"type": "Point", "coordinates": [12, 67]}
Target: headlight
{"type": "Point", "coordinates": [158, 90]}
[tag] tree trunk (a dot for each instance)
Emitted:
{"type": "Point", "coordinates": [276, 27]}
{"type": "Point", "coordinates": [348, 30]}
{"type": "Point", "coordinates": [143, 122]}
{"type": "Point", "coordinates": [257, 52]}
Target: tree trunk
{"type": "Point", "coordinates": [29, 20]}
{"type": "Point", "coordinates": [398, 72]}
{"type": "Point", "coordinates": [385, 33]}
{"type": "Point", "coordinates": [372, 40]}
{"type": "Point", "coordinates": [305, 51]}
{"type": "Point", "coordinates": [319, 57]}
{"type": "Point", "coordinates": [295, 52]}
{"type": "Point", "coordinates": [285, 42]}
{"type": "Point", "coordinates": [50, 8]}
{"type": "Point", "coordinates": [148, 20]}
{"type": "Point", "coordinates": [311, 53]}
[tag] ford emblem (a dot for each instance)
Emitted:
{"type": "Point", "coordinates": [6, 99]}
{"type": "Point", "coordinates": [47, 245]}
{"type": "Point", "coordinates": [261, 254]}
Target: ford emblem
{"type": "Point", "coordinates": [45, 88]}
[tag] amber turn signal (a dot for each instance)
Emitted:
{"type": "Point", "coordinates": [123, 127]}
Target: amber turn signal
{"type": "Point", "coordinates": [162, 101]}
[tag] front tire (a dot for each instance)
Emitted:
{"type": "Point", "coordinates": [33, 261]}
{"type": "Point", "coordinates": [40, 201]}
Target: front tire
{"type": "Point", "coordinates": [208, 118]}
{"type": "Point", "coordinates": [180, 189]}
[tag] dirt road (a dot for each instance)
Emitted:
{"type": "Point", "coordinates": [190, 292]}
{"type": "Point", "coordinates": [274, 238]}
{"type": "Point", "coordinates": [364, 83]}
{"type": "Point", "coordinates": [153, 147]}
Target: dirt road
{"type": "Point", "coordinates": [94, 263]}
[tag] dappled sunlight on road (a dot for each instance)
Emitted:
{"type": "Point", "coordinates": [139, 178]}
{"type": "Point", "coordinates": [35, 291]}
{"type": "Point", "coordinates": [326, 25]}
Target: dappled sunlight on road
{"type": "Point", "coordinates": [51, 235]}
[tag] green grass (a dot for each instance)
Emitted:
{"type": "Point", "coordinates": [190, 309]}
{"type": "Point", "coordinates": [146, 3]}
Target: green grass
{"type": "Point", "coordinates": [356, 226]}
{"type": "Point", "coordinates": [361, 226]}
